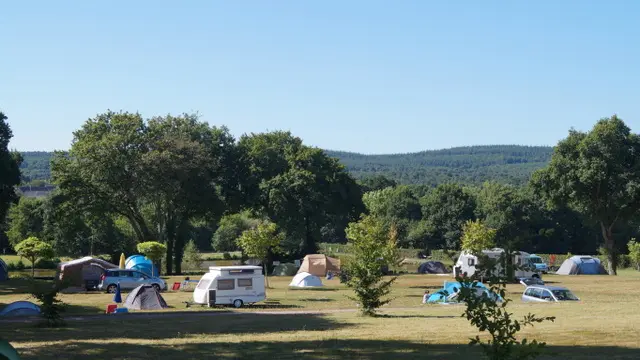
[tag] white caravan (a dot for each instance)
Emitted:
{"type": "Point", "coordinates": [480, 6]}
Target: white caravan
{"type": "Point", "coordinates": [467, 263]}
{"type": "Point", "coordinates": [230, 285]}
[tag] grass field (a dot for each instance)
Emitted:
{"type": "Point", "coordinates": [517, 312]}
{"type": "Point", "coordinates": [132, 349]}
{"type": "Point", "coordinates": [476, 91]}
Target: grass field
{"type": "Point", "coordinates": [604, 324]}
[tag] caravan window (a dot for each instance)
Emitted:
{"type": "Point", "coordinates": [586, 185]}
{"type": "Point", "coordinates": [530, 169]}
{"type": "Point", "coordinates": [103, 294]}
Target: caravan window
{"type": "Point", "coordinates": [227, 284]}
{"type": "Point", "coordinates": [245, 282]}
{"type": "Point", "coordinates": [471, 262]}
{"type": "Point", "coordinates": [203, 284]}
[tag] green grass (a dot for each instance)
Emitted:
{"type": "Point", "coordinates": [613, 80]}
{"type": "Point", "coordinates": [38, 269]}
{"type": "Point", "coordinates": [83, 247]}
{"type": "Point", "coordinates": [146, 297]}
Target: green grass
{"type": "Point", "coordinates": [14, 259]}
{"type": "Point", "coordinates": [603, 325]}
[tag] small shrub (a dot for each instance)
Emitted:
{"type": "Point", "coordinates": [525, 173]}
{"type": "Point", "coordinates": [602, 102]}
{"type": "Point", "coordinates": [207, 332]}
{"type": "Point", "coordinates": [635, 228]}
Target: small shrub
{"type": "Point", "coordinates": [226, 256]}
{"type": "Point", "coordinates": [47, 263]}
{"type": "Point", "coordinates": [192, 258]}
{"type": "Point", "coordinates": [50, 306]}
{"type": "Point", "coordinates": [493, 317]}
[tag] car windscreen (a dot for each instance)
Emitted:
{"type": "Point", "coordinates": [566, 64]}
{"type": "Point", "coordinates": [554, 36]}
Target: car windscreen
{"type": "Point", "coordinates": [563, 295]}
{"type": "Point", "coordinates": [536, 260]}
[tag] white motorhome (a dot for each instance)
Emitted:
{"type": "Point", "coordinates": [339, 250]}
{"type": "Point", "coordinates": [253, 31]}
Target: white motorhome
{"type": "Point", "coordinates": [467, 263]}
{"type": "Point", "coordinates": [230, 285]}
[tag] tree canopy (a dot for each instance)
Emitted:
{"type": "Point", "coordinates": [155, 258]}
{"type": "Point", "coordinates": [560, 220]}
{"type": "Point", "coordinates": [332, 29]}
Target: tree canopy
{"type": "Point", "coordinates": [597, 173]}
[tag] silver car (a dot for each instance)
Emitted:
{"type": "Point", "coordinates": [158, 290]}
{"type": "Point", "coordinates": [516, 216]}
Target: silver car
{"type": "Point", "coordinates": [128, 279]}
{"type": "Point", "coordinates": [544, 293]}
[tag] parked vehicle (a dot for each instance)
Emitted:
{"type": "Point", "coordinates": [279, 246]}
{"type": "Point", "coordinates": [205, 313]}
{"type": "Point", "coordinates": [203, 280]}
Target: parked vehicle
{"type": "Point", "coordinates": [467, 263]}
{"type": "Point", "coordinates": [230, 285]}
{"type": "Point", "coordinates": [544, 293]}
{"type": "Point", "coordinates": [128, 279]}
{"type": "Point", "coordinates": [537, 262]}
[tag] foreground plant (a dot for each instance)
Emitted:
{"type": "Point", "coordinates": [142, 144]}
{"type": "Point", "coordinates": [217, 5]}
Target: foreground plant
{"type": "Point", "coordinates": [491, 315]}
{"type": "Point", "coordinates": [51, 308]}
{"type": "Point", "coordinates": [373, 248]}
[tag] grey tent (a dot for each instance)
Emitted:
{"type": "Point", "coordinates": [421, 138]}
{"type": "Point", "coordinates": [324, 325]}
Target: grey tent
{"type": "Point", "coordinates": [145, 297]}
{"type": "Point", "coordinates": [286, 269]}
{"type": "Point", "coordinates": [581, 265]}
{"type": "Point", "coordinates": [432, 267]}
{"type": "Point", "coordinates": [20, 308]}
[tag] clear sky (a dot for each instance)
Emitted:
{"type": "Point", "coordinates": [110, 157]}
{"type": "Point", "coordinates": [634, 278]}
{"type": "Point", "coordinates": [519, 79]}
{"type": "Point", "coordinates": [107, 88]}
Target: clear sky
{"type": "Point", "coordinates": [366, 76]}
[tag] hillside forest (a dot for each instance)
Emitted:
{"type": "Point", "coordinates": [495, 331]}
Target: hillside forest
{"type": "Point", "coordinates": [176, 179]}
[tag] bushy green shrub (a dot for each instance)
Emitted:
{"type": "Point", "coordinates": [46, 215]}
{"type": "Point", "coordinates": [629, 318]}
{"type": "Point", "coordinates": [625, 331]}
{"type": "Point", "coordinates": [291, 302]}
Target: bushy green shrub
{"type": "Point", "coordinates": [226, 256]}
{"type": "Point", "coordinates": [47, 263]}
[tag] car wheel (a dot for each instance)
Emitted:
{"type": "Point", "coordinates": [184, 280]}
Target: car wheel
{"type": "Point", "coordinates": [157, 287]}
{"type": "Point", "coordinates": [111, 289]}
{"type": "Point", "coordinates": [536, 276]}
{"type": "Point", "coordinates": [237, 303]}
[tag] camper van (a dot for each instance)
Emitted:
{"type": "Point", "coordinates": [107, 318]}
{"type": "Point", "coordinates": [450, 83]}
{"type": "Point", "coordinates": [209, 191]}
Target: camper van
{"type": "Point", "coordinates": [230, 285]}
{"type": "Point", "coordinates": [467, 263]}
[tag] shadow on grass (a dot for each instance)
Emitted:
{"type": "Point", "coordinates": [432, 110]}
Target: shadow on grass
{"type": "Point", "coordinates": [390, 316]}
{"type": "Point", "coordinates": [273, 306]}
{"type": "Point", "coordinates": [320, 349]}
{"type": "Point", "coordinates": [18, 286]}
{"type": "Point", "coordinates": [312, 289]}
{"type": "Point", "coordinates": [436, 287]}
{"type": "Point", "coordinates": [171, 326]}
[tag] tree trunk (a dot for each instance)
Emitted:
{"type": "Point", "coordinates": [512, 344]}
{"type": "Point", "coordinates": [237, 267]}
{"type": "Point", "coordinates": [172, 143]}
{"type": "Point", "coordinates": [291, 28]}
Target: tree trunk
{"type": "Point", "coordinates": [179, 244]}
{"type": "Point", "coordinates": [609, 244]}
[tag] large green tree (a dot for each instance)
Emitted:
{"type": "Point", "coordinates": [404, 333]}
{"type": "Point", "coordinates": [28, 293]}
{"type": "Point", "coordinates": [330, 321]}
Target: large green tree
{"type": "Point", "coordinates": [398, 206]}
{"type": "Point", "coordinates": [26, 219]}
{"type": "Point", "coordinates": [298, 187]}
{"type": "Point", "coordinates": [598, 173]}
{"type": "Point", "coordinates": [9, 169]}
{"type": "Point", "coordinates": [229, 230]}
{"type": "Point", "coordinates": [445, 209]}
{"type": "Point", "coordinates": [158, 174]}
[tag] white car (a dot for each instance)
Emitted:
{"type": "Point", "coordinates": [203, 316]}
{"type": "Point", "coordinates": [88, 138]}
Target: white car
{"type": "Point", "coordinates": [128, 279]}
{"type": "Point", "coordinates": [543, 293]}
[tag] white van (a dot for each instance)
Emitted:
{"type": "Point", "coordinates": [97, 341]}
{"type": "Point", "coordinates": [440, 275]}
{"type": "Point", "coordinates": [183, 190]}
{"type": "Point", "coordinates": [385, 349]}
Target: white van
{"type": "Point", "coordinates": [230, 285]}
{"type": "Point", "coordinates": [467, 263]}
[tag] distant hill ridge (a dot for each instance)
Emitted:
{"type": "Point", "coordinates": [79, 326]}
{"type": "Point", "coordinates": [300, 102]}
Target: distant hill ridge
{"type": "Point", "coordinates": [470, 164]}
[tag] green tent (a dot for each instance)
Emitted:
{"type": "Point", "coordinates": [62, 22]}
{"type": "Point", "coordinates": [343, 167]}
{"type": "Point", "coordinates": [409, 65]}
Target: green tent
{"type": "Point", "coordinates": [7, 351]}
{"type": "Point", "coordinates": [286, 269]}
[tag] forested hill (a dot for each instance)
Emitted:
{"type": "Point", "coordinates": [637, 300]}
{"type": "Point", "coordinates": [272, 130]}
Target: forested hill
{"type": "Point", "coordinates": [474, 164]}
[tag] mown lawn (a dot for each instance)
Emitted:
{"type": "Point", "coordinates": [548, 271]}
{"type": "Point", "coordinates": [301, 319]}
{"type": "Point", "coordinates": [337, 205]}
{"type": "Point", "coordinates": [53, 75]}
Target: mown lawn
{"type": "Point", "coordinates": [604, 325]}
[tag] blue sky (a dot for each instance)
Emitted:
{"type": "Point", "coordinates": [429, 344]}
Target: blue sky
{"type": "Point", "coordinates": [367, 76]}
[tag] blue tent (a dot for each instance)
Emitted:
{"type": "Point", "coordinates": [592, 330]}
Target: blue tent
{"type": "Point", "coordinates": [20, 308]}
{"type": "Point", "coordinates": [4, 271]}
{"type": "Point", "coordinates": [142, 264]}
{"type": "Point", "coordinates": [581, 265]}
{"type": "Point", "coordinates": [449, 292]}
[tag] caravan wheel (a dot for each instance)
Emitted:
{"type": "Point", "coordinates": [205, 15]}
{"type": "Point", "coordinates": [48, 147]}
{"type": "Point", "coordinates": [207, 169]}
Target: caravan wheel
{"type": "Point", "coordinates": [237, 303]}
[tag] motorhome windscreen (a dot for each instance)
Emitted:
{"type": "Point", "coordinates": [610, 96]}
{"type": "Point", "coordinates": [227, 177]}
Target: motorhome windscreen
{"type": "Point", "coordinates": [241, 271]}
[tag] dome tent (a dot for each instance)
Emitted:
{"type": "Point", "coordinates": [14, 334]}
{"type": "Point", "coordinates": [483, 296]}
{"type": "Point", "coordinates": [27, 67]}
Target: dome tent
{"type": "Point", "coordinates": [286, 269]}
{"type": "Point", "coordinates": [20, 308]}
{"type": "Point", "coordinates": [145, 297]}
{"type": "Point", "coordinates": [581, 265]}
{"type": "Point", "coordinates": [319, 265]}
{"type": "Point", "coordinates": [450, 290]}
{"type": "Point", "coordinates": [4, 271]}
{"type": "Point", "coordinates": [432, 267]}
{"type": "Point", "coordinates": [305, 279]}
{"type": "Point", "coordinates": [142, 264]}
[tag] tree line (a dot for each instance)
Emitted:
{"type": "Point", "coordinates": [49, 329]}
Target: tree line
{"type": "Point", "coordinates": [172, 179]}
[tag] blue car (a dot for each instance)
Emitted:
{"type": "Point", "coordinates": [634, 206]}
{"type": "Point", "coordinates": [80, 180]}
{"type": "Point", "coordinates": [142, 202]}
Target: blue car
{"type": "Point", "coordinates": [537, 262]}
